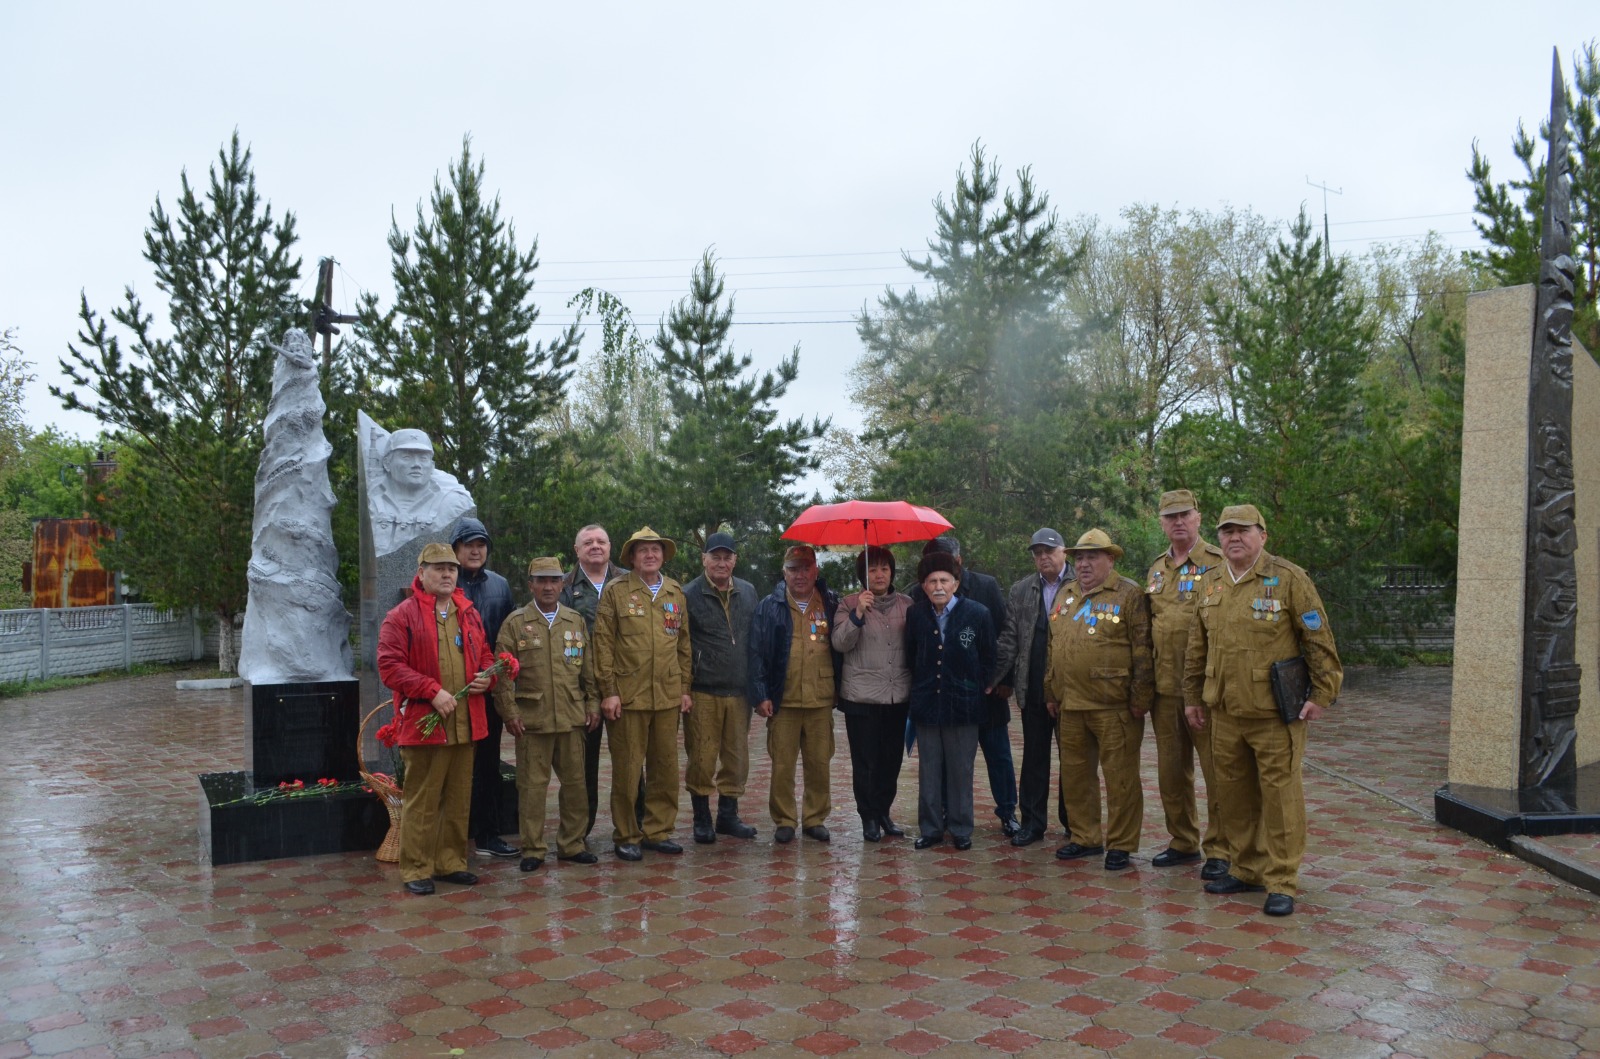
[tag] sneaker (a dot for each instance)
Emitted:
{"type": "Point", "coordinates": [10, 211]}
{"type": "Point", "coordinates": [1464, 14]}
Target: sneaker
{"type": "Point", "coordinates": [495, 846]}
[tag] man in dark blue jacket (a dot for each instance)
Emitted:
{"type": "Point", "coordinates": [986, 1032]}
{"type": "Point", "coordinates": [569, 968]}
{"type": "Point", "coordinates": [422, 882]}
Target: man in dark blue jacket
{"type": "Point", "coordinates": [794, 681]}
{"type": "Point", "coordinates": [491, 595]}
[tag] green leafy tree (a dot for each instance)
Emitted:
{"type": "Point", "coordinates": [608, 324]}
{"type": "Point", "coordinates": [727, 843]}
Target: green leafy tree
{"type": "Point", "coordinates": [1300, 338]}
{"type": "Point", "coordinates": [453, 355]}
{"type": "Point", "coordinates": [185, 401]}
{"type": "Point", "coordinates": [730, 461]}
{"type": "Point", "coordinates": [970, 387]}
{"type": "Point", "coordinates": [1510, 213]}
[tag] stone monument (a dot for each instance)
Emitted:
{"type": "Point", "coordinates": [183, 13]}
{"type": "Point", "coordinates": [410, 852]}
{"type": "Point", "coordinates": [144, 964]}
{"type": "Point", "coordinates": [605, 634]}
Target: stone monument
{"type": "Point", "coordinates": [1524, 760]}
{"type": "Point", "coordinates": [302, 697]}
{"type": "Point", "coordinates": [406, 502]}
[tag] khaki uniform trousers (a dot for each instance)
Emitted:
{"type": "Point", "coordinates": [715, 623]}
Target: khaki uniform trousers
{"type": "Point", "coordinates": [1259, 797]}
{"type": "Point", "coordinates": [433, 811]}
{"type": "Point", "coordinates": [716, 735]}
{"type": "Point", "coordinates": [1177, 746]}
{"type": "Point", "coordinates": [644, 742]}
{"type": "Point", "coordinates": [537, 755]}
{"type": "Point", "coordinates": [806, 734]}
{"type": "Point", "coordinates": [1102, 741]}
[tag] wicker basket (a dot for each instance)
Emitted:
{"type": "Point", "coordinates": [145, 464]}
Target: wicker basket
{"type": "Point", "coordinates": [385, 789]}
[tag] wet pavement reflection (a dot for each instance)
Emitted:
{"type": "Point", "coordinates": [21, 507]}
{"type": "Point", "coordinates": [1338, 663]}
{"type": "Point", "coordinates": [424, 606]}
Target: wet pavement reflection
{"type": "Point", "coordinates": [116, 940]}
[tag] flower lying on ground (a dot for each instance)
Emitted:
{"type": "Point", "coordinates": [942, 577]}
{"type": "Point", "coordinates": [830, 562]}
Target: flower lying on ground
{"type": "Point", "coordinates": [288, 789]}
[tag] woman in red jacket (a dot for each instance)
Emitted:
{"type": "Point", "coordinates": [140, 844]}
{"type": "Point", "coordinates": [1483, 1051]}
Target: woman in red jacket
{"type": "Point", "coordinates": [430, 645]}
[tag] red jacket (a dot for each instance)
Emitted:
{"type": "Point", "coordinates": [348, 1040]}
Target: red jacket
{"type": "Point", "coordinates": [408, 662]}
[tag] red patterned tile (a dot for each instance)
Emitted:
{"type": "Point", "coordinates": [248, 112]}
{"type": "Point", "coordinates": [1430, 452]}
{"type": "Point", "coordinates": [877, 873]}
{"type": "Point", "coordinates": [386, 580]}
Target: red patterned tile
{"type": "Point", "coordinates": [468, 1037]}
{"type": "Point", "coordinates": [826, 1043]}
{"type": "Point", "coordinates": [658, 1009]}
{"type": "Point", "coordinates": [744, 1009]}
{"type": "Point", "coordinates": [557, 1038]}
{"type": "Point", "coordinates": [916, 1042]}
{"type": "Point", "coordinates": [735, 1042]}
{"type": "Point", "coordinates": [1101, 1037]}
{"type": "Point", "coordinates": [1286, 1032]}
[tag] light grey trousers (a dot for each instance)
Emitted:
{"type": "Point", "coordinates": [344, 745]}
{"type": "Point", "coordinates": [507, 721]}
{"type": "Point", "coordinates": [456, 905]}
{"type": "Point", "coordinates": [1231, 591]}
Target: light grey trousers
{"type": "Point", "coordinates": [945, 758]}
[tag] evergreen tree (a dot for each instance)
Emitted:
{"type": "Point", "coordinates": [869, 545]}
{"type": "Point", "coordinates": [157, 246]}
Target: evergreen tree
{"type": "Point", "coordinates": [730, 464]}
{"type": "Point", "coordinates": [1511, 213]}
{"type": "Point", "coordinates": [186, 410]}
{"type": "Point", "coordinates": [1300, 339]}
{"type": "Point", "coordinates": [970, 388]}
{"type": "Point", "coordinates": [453, 355]}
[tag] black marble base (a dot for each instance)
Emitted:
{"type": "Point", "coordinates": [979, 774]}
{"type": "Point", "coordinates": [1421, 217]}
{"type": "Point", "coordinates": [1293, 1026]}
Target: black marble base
{"type": "Point", "coordinates": [346, 822]}
{"type": "Point", "coordinates": [303, 731]}
{"type": "Point", "coordinates": [1497, 816]}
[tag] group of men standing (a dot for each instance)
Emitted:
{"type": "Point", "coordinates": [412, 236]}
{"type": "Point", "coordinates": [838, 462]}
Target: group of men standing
{"type": "Point", "coordinates": [1088, 653]}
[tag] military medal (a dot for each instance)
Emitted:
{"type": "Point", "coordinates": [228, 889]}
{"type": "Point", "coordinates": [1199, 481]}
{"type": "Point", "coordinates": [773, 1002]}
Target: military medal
{"type": "Point", "coordinates": [1116, 614]}
{"type": "Point", "coordinates": [1155, 583]}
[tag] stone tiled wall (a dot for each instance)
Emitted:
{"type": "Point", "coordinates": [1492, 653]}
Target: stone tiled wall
{"type": "Point", "coordinates": [71, 642]}
{"type": "Point", "coordinates": [1485, 716]}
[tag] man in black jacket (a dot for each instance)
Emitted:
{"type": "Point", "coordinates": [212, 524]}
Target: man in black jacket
{"type": "Point", "coordinates": [491, 595]}
{"type": "Point", "coordinates": [994, 736]}
{"type": "Point", "coordinates": [794, 680]}
{"type": "Point", "coordinates": [716, 734]}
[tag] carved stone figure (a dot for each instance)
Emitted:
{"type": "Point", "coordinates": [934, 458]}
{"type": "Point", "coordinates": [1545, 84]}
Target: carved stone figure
{"type": "Point", "coordinates": [410, 497]}
{"type": "Point", "coordinates": [1550, 670]}
{"type": "Point", "coordinates": [295, 626]}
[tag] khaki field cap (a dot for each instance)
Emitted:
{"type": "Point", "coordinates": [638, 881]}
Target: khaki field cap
{"type": "Point", "coordinates": [647, 536]}
{"type": "Point", "coordinates": [799, 557]}
{"type": "Point", "coordinates": [1097, 540]}
{"type": "Point", "coordinates": [1177, 501]}
{"type": "Point", "coordinates": [548, 566]}
{"type": "Point", "coordinates": [1241, 515]}
{"type": "Point", "coordinates": [437, 553]}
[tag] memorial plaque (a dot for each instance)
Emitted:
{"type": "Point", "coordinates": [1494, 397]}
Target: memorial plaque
{"type": "Point", "coordinates": [303, 731]}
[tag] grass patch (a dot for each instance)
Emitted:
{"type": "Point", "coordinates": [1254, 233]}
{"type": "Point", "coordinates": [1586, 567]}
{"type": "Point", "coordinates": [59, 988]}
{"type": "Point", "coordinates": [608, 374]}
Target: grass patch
{"type": "Point", "coordinates": [16, 689]}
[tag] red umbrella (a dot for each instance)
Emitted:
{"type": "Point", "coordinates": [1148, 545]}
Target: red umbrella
{"type": "Point", "coordinates": [853, 522]}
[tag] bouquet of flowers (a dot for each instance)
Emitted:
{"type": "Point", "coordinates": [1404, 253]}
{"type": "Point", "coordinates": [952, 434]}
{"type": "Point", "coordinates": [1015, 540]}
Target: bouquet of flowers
{"type": "Point", "coordinates": [504, 662]}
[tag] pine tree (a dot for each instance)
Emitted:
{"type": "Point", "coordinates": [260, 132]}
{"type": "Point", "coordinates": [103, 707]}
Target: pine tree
{"type": "Point", "coordinates": [453, 355]}
{"type": "Point", "coordinates": [1511, 213]}
{"type": "Point", "coordinates": [728, 462]}
{"type": "Point", "coordinates": [970, 388]}
{"type": "Point", "coordinates": [186, 410]}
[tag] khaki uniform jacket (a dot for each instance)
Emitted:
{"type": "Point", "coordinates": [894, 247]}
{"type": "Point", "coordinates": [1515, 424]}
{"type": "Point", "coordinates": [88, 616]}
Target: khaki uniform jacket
{"type": "Point", "coordinates": [1173, 591]}
{"type": "Point", "coordinates": [641, 645]}
{"type": "Point", "coordinates": [1273, 614]}
{"type": "Point", "coordinates": [555, 690]}
{"type": "Point", "coordinates": [1100, 648]}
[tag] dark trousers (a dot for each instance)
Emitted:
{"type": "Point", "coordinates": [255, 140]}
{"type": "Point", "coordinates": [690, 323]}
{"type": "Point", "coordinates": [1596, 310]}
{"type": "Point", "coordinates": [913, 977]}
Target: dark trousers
{"type": "Point", "coordinates": [591, 773]}
{"type": "Point", "coordinates": [1038, 736]}
{"type": "Point", "coordinates": [488, 792]}
{"type": "Point", "coordinates": [948, 753]}
{"type": "Point", "coordinates": [995, 742]}
{"type": "Point", "coordinates": [875, 755]}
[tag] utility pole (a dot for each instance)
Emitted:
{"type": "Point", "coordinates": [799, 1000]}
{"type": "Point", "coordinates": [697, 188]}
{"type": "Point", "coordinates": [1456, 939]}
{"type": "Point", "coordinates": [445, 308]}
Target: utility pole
{"type": "Point", "coordinates": [1327, 242]}
{"type": "Point", "coordinates": [323, 317]}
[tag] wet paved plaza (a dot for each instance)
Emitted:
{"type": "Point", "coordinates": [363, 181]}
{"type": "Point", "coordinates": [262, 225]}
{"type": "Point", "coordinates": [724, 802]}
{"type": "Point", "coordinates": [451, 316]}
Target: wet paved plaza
{"type": "Point", "coordinates": [116, 940]}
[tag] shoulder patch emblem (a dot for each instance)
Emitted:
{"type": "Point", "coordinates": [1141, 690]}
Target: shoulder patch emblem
{"type": "Point", "coordinates": [1312, 620]}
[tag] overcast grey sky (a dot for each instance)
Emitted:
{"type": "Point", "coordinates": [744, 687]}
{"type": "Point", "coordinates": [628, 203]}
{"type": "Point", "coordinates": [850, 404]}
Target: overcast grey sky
{"type": "Point", "coordinates": [804, 142]}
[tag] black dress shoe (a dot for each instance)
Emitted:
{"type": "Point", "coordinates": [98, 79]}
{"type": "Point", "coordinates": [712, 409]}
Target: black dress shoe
{"type": "Point", "coordinates": [928, 841]}
{"type": "Point", "coordinates": [783, 835]}
{"type": "Point", "coordinates": [420, 887]}
{"type": "Point", "coordinates": [890, 828]}
{"type": "Point", "coordinates": [495, 846]}
{"type": "Point", "coordinates": [1026, 837]}
{"type": "Point", "coordinates": [817, 833]}
{"type": "Point", "coordinates": [460, 878]}
{"type": "Point", "coordinates": [1232, 884]}
{"type": "Point", "coordinates": [1073, 851]}
{"type": "Point", "coordinates": [1172, 858]}
{"type": "Point", "coordinates": [961, 843]}
{"type": "Point", "coordinates": [1009, 826]}
{"type": "Point", "coordinates": [1279, 905]}
{"type": "Point", "coordinates": [666, 845]}
{"type": "Point", "coordinates": [531, 863]}
{"type": "Point", "coordinates": [583, 856]}
{"type": "Point", "coordinates": [1116, 860]}
{"type": "Point", "coordinates": [628, 851]}
{"type": "Point", "coordinates": [871, 830]}
{"type": "Point", "coordinates": [1214, 868]}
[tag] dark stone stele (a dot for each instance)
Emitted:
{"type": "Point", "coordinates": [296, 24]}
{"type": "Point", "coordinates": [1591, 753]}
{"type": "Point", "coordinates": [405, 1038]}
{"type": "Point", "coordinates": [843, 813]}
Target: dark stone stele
{"type": "Point", "coordinates": [1497, 816]}
{"type": "Point", "coordinates": [297, 731]}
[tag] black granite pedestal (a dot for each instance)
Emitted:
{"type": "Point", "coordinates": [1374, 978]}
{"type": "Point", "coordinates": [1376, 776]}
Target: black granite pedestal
{"type": "Point", "coordinates": [293, 827]}
{"type": "Point", "coordinates": [1498, 816]}
{"type": "Point", "coordinates": [297, 731]}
